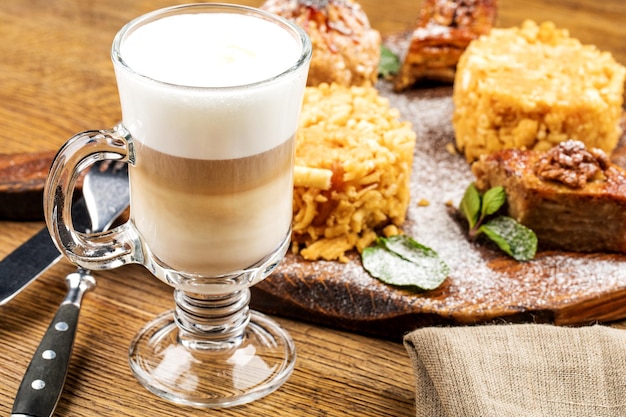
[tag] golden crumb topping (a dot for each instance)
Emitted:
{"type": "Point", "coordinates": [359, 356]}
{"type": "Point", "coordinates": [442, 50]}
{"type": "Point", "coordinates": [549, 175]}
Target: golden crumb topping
{"type": "Point", "coordinates": [542, 66]}
{"type": "Point", "coordinates": [532, 87]}
{"type": "Point", "coordinates": [353, 165]}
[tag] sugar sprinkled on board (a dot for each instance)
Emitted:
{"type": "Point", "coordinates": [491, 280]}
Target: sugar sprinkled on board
{"type": "Point", "coordinates": [483, 283]}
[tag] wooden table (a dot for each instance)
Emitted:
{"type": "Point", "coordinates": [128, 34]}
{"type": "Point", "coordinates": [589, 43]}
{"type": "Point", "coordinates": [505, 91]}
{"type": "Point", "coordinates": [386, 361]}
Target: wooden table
{"type": "Point", "coordinates": [56, 79]}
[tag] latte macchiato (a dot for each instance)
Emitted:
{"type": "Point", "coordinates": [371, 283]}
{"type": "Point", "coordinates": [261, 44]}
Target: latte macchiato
{"type": "Point", "coordinates": [211, 188]}
{"type": "Point", "coordinates": [210, 96]}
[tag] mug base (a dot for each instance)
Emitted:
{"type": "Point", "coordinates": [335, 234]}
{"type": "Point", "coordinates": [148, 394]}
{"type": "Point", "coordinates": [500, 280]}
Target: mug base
{"type": "Point", "coordinates": [212, 378]}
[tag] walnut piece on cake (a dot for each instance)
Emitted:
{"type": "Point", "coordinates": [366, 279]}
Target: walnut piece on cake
{"type": "Point", "coordinates": [571, 196]}
{"type": "Point", "coordinates": [353, 167]}
{"type": "Point", "coordinates": [443, 31]}
{"type": "Point", "coordinates": [346, 50]}
{"type": "Point", "coordinates": [532, 87]}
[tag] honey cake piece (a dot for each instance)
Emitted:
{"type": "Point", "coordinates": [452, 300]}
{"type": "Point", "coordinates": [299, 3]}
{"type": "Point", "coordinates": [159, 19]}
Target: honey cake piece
{"type": "Point", "coordinates": [534, 86]}
{"type": "Point", "coordinates": [571, 196]}
{"type": "Point", "coordinates": [443, 30]}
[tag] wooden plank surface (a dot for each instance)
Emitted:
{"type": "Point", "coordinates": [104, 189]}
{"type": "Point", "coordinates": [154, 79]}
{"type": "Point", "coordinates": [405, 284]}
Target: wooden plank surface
{"type": "Point", "coordinates": [56, 79]}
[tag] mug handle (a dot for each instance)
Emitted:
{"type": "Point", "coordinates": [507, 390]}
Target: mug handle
{"type": "Point", "coordinates": [106, 250]}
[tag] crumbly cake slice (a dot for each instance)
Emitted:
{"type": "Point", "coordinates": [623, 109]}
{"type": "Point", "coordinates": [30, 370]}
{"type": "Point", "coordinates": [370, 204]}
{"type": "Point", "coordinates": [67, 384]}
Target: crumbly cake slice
{"type": "Point", "coordinates": [532, 87]}
{"type": "Point", "coordinates": [443, 31]}
{"type": "Point", "coordinates": [572, 197]}
{"type": "Point", "coordinates": [353, 166]}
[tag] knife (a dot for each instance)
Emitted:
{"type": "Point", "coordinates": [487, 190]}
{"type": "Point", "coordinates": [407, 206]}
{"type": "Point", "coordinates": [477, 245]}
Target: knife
{"type": "Point", "coordinates": [35, 256]}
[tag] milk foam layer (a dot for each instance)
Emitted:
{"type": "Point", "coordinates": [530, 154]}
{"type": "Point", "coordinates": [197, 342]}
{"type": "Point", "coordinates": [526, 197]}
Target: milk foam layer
{"type": "Point", "coordinates": [210, 50]}
{"type": "Point", "coordinates": [175, 116]}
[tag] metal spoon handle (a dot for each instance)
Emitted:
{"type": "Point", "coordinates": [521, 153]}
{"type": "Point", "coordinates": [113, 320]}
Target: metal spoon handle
{"type": "Point", "coordinates": [44, 379]}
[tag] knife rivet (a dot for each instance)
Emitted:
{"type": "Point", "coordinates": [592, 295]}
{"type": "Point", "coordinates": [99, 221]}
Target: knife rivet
{"type": "Point", "coordinates": [38, 384]}
{"type": "Point", "coordinates": [61, 326]}
{"type": "Point", "coordinates": [49, 354]}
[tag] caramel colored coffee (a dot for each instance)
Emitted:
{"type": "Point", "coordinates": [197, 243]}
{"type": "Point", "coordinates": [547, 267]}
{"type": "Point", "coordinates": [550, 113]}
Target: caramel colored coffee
{"type": "Point", "coordinates": [212, 217]}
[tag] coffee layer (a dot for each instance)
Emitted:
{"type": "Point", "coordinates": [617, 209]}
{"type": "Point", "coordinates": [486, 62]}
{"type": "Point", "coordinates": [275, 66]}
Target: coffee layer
{"type": "Point", "coordinates": [212, 217]}
{"type": "Point", "coordinates": [199, 176]}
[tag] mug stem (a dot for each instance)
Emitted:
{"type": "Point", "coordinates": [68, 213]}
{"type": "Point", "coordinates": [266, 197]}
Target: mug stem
{"type": "Point", "coordinates": [212, 322]}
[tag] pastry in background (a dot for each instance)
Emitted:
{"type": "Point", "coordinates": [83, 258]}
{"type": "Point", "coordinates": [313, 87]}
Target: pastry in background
{"type": "Point", "coordinates": [571, 196]}
{"type": "Point", "coordinates": [444, 29]}
{"type": "Point", "coordinates": [346, 50]}
{"type": "Point", "coordinates": [532, 87]}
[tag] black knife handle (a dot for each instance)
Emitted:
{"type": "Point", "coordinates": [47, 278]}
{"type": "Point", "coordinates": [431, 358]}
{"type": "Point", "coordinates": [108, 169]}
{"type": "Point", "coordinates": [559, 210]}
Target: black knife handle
{"type": "Point", "coordinates": [44, 379]}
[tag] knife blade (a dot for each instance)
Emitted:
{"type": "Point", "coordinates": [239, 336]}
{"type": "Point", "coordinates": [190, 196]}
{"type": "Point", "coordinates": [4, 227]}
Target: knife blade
{"type": "Point", "coordinates": [26, 263]}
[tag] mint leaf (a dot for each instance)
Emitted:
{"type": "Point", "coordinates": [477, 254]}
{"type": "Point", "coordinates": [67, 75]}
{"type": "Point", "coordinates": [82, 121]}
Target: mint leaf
{"type": "Point", "coordinates": [470, 205]}
{"type": "Point", "coordinates": [389, 63]}
{"type": "Point", "coordinates": [407, 248]}
{"type": "Point", "coordinates": [401, 261]}
{"type": "Point", "coordinates": [493, 199]}
{"type": "Point", "coordinates": [512, 237]}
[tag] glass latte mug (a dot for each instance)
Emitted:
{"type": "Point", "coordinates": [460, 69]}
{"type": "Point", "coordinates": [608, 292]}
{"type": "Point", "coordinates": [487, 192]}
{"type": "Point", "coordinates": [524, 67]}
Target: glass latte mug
{"type": "Point", "coordinates": [210, 97]}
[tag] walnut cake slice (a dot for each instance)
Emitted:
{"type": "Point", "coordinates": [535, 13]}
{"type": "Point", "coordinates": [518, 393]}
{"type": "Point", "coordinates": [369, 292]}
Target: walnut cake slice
{"type": "Point", "coordinates": [571, 196]}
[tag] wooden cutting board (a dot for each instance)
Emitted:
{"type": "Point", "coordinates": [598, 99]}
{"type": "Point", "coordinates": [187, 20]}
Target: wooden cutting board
{"type": "Point", "coordinates": [483, 286]}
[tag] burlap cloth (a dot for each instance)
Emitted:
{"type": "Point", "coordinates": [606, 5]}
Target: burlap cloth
{"type": "Point", "coordinates": [519, 370]}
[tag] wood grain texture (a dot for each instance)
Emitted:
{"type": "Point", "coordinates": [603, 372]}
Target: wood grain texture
{"type": "Point", "coordinates": [56, 79]}
{"type": "Point", "coordinates": [22, 180]}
